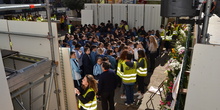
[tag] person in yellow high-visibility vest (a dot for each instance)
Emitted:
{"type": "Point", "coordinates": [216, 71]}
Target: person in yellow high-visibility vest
{"type": "Point", "coordinates": [141, 73]}
{"type": "Point", "coordinates": [129, 69]}
{"type": "Point", "coordinates": [120, 73]}
{"type": "Point", "coordinates": [69, 27]}
{"type": "Point", "coordinates": [87, 94]}
{"type": "Point", "coordinates": [62, 19]}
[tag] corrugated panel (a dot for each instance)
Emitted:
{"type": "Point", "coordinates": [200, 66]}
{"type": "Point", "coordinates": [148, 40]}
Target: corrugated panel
{"type": "Point", "coordinates": [93, 7]}
{"type": "Point", "coordinates": [147, 17]}
{"type": "Point", "coordinates": [139, 18]}
{"type": "Point", "coordinates": [131, 15]}
{"type": "Point", "coordinates": [104, 13]}
{"type": "Point", "coordinates": [156, 18]}
{"type": "Point", "coordinates": [119, 13]}
{"type": "Point", "coordinates": [152, 18]}
{"type": "Point", "coordinates": [87, 17]}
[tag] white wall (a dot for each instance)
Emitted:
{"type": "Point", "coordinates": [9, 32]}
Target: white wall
{"type": "Point", "coordinates": [93, 7]}
{"type": "Point", "coordinates": [104, 13]}
{"type": "Point", "coordinates": [119, 13]}
{"type": "Point", "coordinates": [5, 97]}
{"type": "Point", "coordinates": [4, 42]}
{"type": "Point", "coordinates": [203, 87]}
{"type": "Point", "coordinates": [87, 17]}
{"type": "Point", "coordinates": [137, 15]}
{"type": "Point", "coordinates": [152, 19]}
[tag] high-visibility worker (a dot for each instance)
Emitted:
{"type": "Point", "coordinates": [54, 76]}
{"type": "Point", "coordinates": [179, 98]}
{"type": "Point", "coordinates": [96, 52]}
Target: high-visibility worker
{"type": "Point", "coordinates": [141, 73]}
{"type": "Point", "coordinates": [69, 27]}
{"type": "Point", "coordinates": [87, 94]}
{"type": "Point", "coordinates": [129, 69]}
{"type": "Point", "coordinates": [119, 72]}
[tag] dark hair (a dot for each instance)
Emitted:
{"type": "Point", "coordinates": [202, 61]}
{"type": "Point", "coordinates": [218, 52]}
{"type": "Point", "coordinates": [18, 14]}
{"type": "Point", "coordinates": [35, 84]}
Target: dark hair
{"type": "Point", "coordinates": [77, 45]}
{"type": "Point", "coordinates": [105, 65]}
{"type": "Point", "coordinates": [141, 54]}
{"type": "Point", "coordinates": [129, 56]}
{"type": "Point", "coordinates": [109, 52]}
{"type": "Point", "coordinates": [71, 53]}
{"type": "Point", "coordinates": [93, 47]}
{"type": "Point", "coordinates": [135, 45]}
{"type": "Point", "coordinates": [85, 49]}
{"type": "Point", "coordinates": [105, 59]}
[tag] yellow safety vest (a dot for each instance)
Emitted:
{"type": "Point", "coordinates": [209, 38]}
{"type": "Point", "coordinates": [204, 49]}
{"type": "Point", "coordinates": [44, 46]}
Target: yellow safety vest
{"type": "Point", "coordinates": [69, 28]}
{"type": "Point", "coordinates": [91, 105]}
{"type": "Point", "coordinates": [130, 73]}
{"type": "Point", "coordinates": [119, 72]}
{"type": "Point", "coordinates": [142, 71]}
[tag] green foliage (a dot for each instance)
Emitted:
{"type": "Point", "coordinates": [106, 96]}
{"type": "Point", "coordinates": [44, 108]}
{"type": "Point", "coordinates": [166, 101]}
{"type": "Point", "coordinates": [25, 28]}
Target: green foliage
{"type": "Point", "coordinates": [74, 4]}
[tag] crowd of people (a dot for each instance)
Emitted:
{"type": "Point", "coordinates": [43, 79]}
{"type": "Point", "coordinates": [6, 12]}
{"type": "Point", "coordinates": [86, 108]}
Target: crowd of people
{"type": "Point", "coordinates": [106, 56]}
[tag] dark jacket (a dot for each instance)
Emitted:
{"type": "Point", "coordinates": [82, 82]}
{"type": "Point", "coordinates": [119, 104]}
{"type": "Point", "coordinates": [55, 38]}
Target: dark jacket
{"type": "Point", "coordinates": [107, 82]}
{"type": "Point", "coordinates": [87, 64]}
{"type": "Point", "coordinates": [112, 60]}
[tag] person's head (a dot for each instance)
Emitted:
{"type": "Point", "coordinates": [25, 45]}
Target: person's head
{"type": "Point", "coordinates": [116, 49]}
{"type": "Point", "coordinates": [100, 51]}
{"type": "Point", "coordinates": [126, 48]}
{"type": "Point", "coordinates": [90, 82]}
{"type": "Point", "coordinates": [105, 59]}
{"type": "Point", "coordinates": [99, 60]}
{"type": "Point", "coordinates": [87, 50]}
{"type": "Point", "coordinates": [123, 55]}
{"type": "Point", "coordinates": [129, 56]}
{"type": "Point", "coordinates": [135, 45]}
{"type": "Point", "coordinates": [93, 48]}
{"type": "Point", "coordinates": [109, 52]}
{"type": "Point", "coordinates": [153, 40]}
{"type": "Point", "coordinates": [105, 66]}
{"type": "Point", "coordinates": [72, 54]}
{"type": "Point", "coordinates": [77, 46]}
{"type": "Point", "coordinates": [84, 37]}
{"type": "Point", "coordinates": [101, 45]}
{"type": "Point", "coordinates": [141, 54]}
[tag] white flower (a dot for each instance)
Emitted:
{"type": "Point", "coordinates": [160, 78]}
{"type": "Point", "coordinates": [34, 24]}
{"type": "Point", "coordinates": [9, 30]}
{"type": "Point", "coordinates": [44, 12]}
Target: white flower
{"type": "Point", "coordinates": [173, 64]}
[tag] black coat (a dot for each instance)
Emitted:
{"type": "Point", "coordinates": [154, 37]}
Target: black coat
{"type": "Point", "coordinates": [87, 64]}
{"type": "Point", "coordinates": [107, 82]}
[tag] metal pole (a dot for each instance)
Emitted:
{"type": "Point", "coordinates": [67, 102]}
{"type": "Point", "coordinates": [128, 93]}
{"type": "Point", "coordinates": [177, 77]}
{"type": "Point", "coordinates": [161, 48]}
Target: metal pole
{"type": "Point", "coordinates": [53, 69]}
{"type": "Point", "coordinates": [21, 105]}
{"type": "Point", "coordinates": [49, 90]}
{"type": "Point", "coordinates": [24, 6]}
{"type": "Point", "coordinates": [206, 22]}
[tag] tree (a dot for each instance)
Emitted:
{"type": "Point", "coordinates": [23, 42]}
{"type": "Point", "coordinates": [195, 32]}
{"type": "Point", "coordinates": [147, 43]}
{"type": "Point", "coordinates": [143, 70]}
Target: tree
{"type": "Point", "coordinates": [76, 5]}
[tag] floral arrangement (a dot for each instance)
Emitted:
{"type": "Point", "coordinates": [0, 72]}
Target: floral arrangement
{"type": "Point", "coordinates": [173, 67]}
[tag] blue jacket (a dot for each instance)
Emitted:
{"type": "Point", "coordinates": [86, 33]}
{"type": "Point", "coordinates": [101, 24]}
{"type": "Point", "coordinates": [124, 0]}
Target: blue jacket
{"type": "Point", "coordinates": [93, 57]}
{"type": "Point", "coordinates": [97, 69]}
{"type": "Point", "coordinates": [75, 69]}
{"type": "Point", "coordinates": [112, 60]}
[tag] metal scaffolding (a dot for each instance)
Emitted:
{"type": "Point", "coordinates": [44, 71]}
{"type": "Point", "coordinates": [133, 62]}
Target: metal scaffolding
{"type": "Point", "coordinates": [52, 75]}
